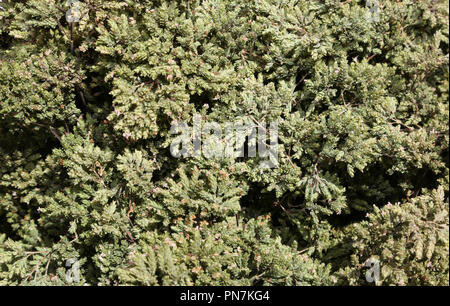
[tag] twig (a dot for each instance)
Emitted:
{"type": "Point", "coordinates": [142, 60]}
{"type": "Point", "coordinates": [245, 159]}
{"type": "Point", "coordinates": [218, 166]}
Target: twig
{"type": "Point", "coordinates": [50, 128]}
{"type": "Point", "coordinates": [55, 133]}
{"type": "Point", "coordinates": [370, 57]}
{"type": "Point", "coordinates": [72, 51]}
{"type": "Point", "coordinates": [302, 79]}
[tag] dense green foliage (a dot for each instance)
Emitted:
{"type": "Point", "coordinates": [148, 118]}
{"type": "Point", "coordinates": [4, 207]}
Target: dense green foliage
{"type": "Point", "coordinates": [86, 171]}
